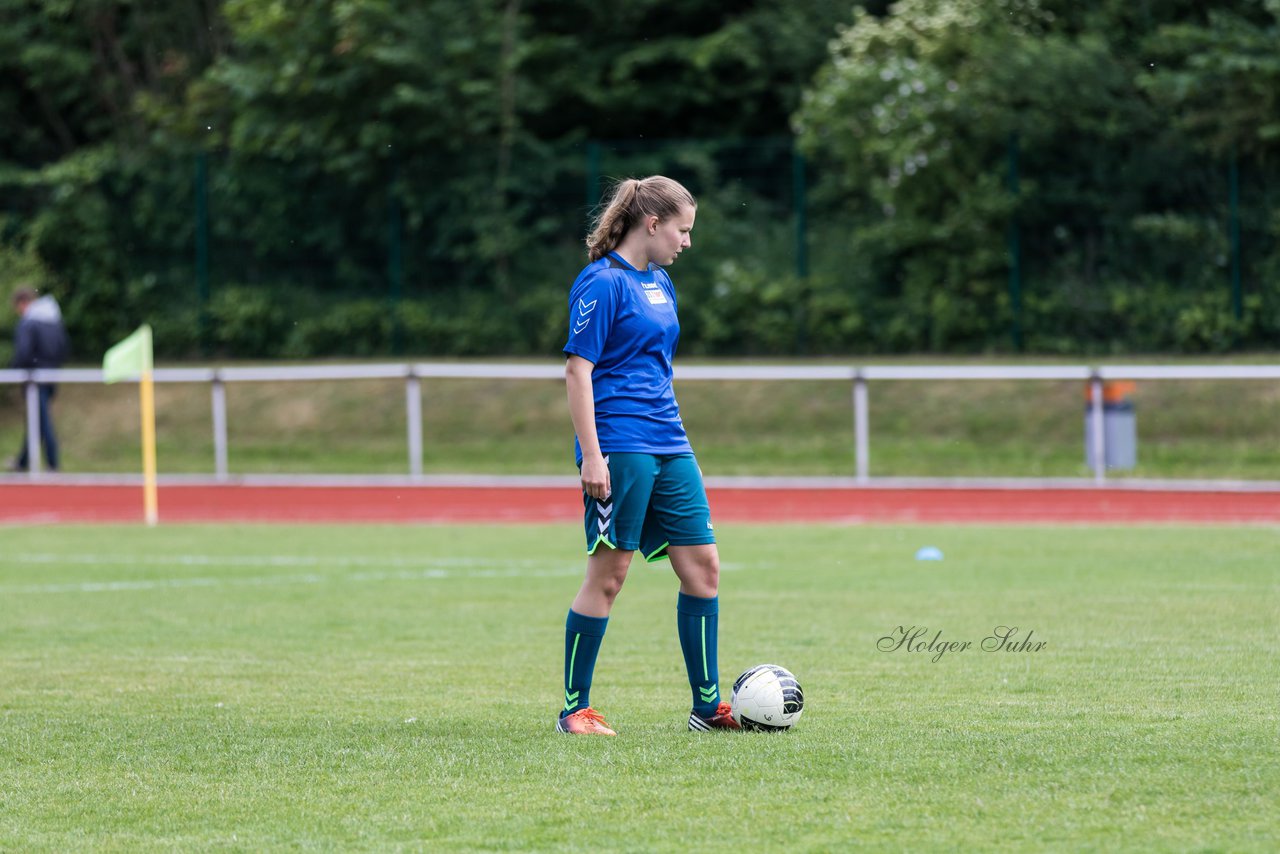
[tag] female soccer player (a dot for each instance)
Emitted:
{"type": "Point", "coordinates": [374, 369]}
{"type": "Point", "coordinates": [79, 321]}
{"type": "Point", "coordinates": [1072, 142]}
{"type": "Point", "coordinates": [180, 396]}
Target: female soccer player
{"type": "Point", "coordinates": [641, 487]}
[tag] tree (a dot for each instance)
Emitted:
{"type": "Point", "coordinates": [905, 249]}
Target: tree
{"type": "Point", "coordinates": [1222, 79]}
{"type": "Point", "coordinates": [654, 69]}
{"type": "Point", "coordinates": [919, 111]}
{"type": "Point", "coordinates": [926, 113]}
{"type": "Point", "coordinates": [72, 76]}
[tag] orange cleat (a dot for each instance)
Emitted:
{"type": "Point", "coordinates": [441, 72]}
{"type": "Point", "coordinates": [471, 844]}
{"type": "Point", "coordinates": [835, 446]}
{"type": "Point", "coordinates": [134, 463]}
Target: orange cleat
{"type": "Point", "coordinates": [584, 722]}
{"type": "Point", "coordinates": [722, 719]}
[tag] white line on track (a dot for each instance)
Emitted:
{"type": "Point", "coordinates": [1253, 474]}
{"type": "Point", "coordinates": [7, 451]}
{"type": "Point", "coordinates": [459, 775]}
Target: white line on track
{"type": "Point", "coordinates": [286, 580]}
{"type": "Point", "coordinates": [423, 569]}
{"type": "Point", "coordinates": [260, 560]}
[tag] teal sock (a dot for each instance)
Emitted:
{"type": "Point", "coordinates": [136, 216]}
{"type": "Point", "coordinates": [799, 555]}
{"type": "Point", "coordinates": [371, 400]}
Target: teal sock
{"type": "Point", "coordinates": [697, 620]}
{"type": "Point", "coordinates": [582, 638]}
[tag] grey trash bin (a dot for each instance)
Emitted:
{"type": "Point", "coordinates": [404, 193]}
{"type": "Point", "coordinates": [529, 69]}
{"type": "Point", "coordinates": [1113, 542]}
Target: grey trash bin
{"type": "Point", "coordinates": [1119, 425]}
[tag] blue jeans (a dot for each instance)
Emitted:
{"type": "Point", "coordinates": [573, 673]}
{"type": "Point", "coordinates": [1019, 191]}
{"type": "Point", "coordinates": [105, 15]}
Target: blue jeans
{"type": "Point", "coordinates": [47, 436]}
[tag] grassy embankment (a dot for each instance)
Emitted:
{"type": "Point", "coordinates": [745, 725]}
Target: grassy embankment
{"type": "Point", "coordinates": [1007, 429]}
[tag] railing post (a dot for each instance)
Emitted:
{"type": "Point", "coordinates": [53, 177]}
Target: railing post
{"type": "Point", "coordinates": [861, 433]}
{"type": "Point", "coordinates": [202, 246]}
{"type": "Point", "coordinates": [1233, 232]}
{"type": "Point", "coordinates": [1098, 439]}
{"type": "Point", "coordinates": [395, 254]}
{"type": "Point", "coordinates": [33, 428]}
{"type": "Point", "coordinates": [413, 409]}
{"type": "Point", "coordinates": [1014, 249]}
{"type": "Point", "coordinates": [219, 391]}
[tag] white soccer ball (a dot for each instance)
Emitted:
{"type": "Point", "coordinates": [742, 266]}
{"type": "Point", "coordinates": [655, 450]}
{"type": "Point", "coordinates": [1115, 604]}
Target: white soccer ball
{"type": "Point", "coordinates": [767, 697]}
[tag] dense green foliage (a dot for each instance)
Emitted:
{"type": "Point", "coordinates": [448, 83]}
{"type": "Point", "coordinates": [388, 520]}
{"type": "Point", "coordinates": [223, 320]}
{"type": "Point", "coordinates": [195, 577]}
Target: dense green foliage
{"type": "Point", "coordinates": [352, 177]}
{"type": "Point", "coordinates": [1098, 141]}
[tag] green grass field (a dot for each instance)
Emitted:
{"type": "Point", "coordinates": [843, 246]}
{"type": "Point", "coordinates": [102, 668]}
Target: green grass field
{"type": "Point", "coordinates": [1224, 430]}
{"type": "Point", "coordinates": [261, 688]}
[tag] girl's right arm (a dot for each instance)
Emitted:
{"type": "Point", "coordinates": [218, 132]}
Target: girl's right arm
{"type": "Point", "coordinates": [582, 409]}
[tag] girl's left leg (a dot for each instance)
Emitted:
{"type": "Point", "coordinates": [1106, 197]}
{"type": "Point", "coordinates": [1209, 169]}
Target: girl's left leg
{"type": "Point", "coordinates": [697, 621]}
{"type": "Point", "coordinates": [698, 568]}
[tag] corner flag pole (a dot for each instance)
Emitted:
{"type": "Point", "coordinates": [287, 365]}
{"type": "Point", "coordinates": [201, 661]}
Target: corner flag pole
{"type": "Point", "coordinates": [132, 358]}
{"type": "Point", "coordinates": [150, 501]}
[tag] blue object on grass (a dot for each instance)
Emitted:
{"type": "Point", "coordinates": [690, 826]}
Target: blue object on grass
{"type": "Point", "coordinates": [929, 553]}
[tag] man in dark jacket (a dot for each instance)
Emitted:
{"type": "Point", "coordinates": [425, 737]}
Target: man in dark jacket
{"type": "Point", "coordinates": [40, 341]}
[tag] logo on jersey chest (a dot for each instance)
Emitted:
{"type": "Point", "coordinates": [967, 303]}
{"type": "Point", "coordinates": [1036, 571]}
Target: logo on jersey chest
{"type": "Point", "coordinates": [654, 293]}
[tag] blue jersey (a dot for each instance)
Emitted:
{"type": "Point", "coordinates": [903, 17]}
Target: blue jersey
{"type": "Point", "coordinates": [623, 321]}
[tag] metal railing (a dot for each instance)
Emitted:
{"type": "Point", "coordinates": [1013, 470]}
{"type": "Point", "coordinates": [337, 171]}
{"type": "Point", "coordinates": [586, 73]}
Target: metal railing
{"type": "Point", "coordinates": [859, 379]}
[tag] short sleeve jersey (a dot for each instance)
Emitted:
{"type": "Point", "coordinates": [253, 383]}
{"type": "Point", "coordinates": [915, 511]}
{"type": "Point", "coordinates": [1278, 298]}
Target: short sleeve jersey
{"type": "Point", "coordinates": [623, 321]}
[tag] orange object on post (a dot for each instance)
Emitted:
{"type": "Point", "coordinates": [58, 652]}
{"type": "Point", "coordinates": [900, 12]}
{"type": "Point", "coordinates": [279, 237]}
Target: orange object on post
{"type": "Point", "coordinates": [1114, 392]}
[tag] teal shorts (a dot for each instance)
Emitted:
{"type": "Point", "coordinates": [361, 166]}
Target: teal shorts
{"type": "Point", "coordinates": [656, 501]}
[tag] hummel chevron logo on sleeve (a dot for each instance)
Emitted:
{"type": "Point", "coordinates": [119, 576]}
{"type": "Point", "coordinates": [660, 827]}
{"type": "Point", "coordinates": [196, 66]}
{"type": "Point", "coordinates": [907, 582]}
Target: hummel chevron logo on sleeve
{"type": "Point", "coordinates": [584, 314]}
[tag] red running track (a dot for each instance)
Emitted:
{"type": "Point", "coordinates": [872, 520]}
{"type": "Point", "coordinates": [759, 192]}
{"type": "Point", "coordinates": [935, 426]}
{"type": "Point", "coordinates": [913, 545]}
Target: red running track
{"type": "Point", "coordinates": [53, 503]}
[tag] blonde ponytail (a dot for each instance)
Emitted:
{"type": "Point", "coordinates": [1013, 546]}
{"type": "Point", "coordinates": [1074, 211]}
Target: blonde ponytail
{"type": "Point", "coordinates": [631, 201]}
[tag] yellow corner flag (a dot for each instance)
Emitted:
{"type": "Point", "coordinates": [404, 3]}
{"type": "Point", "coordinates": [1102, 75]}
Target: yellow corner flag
{"type": "Point", "coordinates": [131, 359]}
